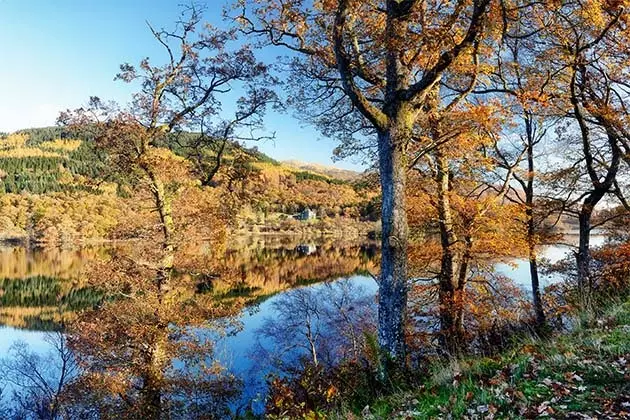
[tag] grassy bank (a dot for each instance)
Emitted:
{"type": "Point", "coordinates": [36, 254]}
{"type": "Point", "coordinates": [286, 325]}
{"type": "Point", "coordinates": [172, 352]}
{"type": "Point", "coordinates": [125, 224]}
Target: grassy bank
{"type": "Point", "coordinates": [584, 374]}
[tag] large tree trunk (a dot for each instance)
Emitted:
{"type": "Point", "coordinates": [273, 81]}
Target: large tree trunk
{"type": "Point", "coordinates": [393, 278]}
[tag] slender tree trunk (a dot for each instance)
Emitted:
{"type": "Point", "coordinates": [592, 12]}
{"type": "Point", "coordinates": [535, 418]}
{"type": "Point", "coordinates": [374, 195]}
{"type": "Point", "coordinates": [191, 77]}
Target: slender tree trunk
{"type": "Point", "coordinates": [217, 164]}
{"type": "Point", "coordinates": [447, 279]}
{"type": "Point", "coordinates": [164, 208]}
{"type": "Point", "coordinates": [457, 339]}
{"type": "Point", "coordinates": [393, 278]}
{"type": "Point", "coordinates": [531, 228]}
{"type": "Point", "coordinates": [583, 257]}
{"type": "Point", "coordinates": [536, 295]}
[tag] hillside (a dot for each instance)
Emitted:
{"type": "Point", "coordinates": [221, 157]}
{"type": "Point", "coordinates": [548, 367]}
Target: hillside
{"type": "Point", "coordinates": [44, 173]}
{"type": "Point", "coordinates": [331, 171]}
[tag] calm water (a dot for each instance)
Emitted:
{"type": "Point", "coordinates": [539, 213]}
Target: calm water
{"type": "Point", "coordinates": [38, 288]}
{"type": "Point", "coordinates": [518, 270]}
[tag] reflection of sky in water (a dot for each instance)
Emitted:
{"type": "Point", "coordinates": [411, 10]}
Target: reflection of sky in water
{"type": "Point", "coordinates": [35, 339]}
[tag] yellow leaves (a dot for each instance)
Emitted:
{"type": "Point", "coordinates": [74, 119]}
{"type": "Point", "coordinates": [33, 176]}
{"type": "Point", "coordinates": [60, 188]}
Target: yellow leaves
{"type": "Point", "coordinates": [62, 217]}
{"type": "Point", "coordinates": [13, 141]}
{"type": "Point", "coordinates": [593, 12]}
{"type": "Point", "coordinates": [61, 145]}
{"type": "Point", "coordinates": [25, 152]}
{"type": "Point", "coordinates": [167, 165]}
{"type": "Point", "coordinates": [14, 146]}
{"type": "Point", "coordinates": [533, 98]}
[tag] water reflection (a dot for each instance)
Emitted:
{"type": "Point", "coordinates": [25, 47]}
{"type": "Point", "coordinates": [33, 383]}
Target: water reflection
{"type": "Point", "coordinates": [315, 325]}
{"type": "Point", "coordinates": [322, 324]}
{"type": "Point", "coordinates": [305, 303]}
{"type": "Point", "coordinates": [137, 349]}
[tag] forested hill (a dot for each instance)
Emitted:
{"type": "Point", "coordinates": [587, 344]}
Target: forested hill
{"type": "Point", "coordinates": [44, 170]}
{"type": "Point", "coordinates": [35, 160]}
{"type": "Point", "coordinates": [39, 161]}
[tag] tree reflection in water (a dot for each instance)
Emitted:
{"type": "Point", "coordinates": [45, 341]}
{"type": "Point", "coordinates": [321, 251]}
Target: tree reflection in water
{"type": "Point", "coordinates": [317, 325]}
{"type": "Point", "coordinates": [36, 383]}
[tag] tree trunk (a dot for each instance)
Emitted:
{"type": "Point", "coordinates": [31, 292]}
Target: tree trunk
{"type": "Point", "coordinates": [151, 392]}
{"type": "Point", "coordinates": [536, 296]}
{"type": "Point", "coordinates": [447, 279]}
{"type": "Point", "coordinates": [583, 257]}
{"type": "Point", "coordinates": [531, 229]}
{"type": "Point", "coordinates": [163, 206]}
{"type": "Point", "coordinates": [393, 278]}
{"type": "Point", "coordinates": [456, 341]}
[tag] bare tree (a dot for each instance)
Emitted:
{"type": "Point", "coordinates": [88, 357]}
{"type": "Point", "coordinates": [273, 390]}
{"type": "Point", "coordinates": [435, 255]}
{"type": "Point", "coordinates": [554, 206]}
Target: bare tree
{"type": "Point", "coordinates": [38, 381]}
{"type": "Point", "coordinates": [320, 325]}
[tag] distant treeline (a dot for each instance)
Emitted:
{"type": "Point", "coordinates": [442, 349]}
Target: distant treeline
{"type": "Point", "coordinates": [21, 170]}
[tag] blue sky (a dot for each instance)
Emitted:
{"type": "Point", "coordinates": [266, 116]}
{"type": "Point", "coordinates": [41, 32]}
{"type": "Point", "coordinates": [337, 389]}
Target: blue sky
{"type": "Point", "coordinates": [58, 53]}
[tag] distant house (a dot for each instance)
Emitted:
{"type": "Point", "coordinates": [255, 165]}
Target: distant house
{"type": "Point", "coordinates": [306, 214]}
{"type": "Point", "coordinates": [306, 249]}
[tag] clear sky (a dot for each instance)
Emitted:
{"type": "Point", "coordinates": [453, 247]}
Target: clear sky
{"type": "Point", "coordinates": [55, 54]}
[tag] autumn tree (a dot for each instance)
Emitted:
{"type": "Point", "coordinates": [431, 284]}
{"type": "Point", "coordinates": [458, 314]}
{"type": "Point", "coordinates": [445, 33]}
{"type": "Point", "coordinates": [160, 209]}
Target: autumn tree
{"type": "Point", "coordinates": [525, 87]}
{"type": "Point", "coordinates": [587, 47]}
{"type": "Point", "coordinates": [365, 70]}
{"type": "Point", "coordinates": [147, 324]}
{"type": "Point", "coordinates": [455, 192]}
{"type": "Point", "coordinates": [179, 95]}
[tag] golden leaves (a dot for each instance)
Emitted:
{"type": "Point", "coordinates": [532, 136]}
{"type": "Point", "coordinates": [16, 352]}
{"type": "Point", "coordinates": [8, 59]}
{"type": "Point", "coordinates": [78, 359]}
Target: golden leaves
{"type": "Point", "coordinates": [13, 141]}
{"type": "Point", "coordinates": [27, 152]}
{"type": "Point", "coordinates": [61, 145]}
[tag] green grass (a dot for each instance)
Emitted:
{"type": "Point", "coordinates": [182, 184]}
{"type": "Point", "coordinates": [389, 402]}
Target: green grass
{"type": "Point", "coordinates": [586, 371]}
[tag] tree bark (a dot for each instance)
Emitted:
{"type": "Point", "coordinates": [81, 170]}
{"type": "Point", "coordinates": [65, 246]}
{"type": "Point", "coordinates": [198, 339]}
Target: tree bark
{"type": "Point", "coordinates": [531, 227]}
{"type": "Point", "coordinates": [583, 257]}
{"type": "Point", "coordinates": [447, 279]}
{"type": "Point", "coordinates": [541, 319]}
{"type": "Point", "coordinates": [164, 209]}
{"type": "Point", "coordinates": [153, 377]}
{"type": "Point", "coordinates": [156, 363]}
{"type": "Point", "coordinates": [395, 232]}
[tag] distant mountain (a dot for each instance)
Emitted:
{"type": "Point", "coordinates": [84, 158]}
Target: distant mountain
{"type": "Point", "coordinates": [328, 170]}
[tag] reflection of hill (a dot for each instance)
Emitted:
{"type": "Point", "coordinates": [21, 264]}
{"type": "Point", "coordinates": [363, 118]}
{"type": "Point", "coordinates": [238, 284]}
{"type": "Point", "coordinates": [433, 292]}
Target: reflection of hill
{"type": "Point", "coordinates": [42, 302]}
{"type": "Point", "coordinates": [41, 288]}
{"type": "Point", "coordinates": [273, 270]}
{"type": "Point", "coordinates": [20, 262]}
